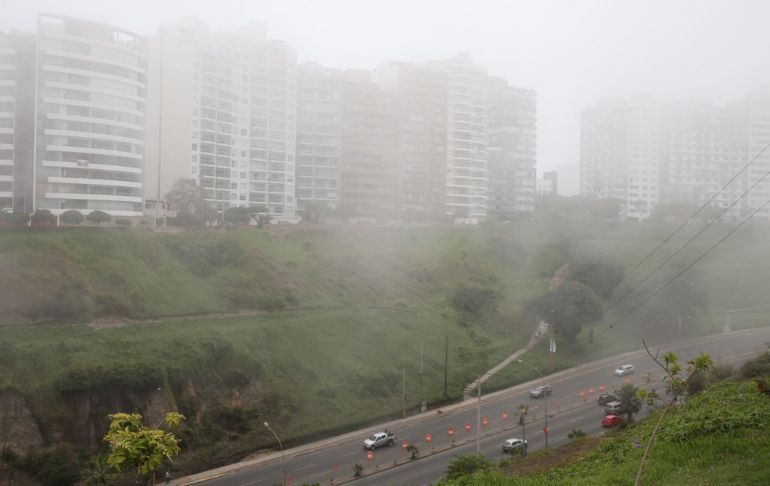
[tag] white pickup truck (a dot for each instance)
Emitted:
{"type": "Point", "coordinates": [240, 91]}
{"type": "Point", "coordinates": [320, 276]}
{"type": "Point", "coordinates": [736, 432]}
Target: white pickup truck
{"type": "Point", "coordinates": [379, 439]}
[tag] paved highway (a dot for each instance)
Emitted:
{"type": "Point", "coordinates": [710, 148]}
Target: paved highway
{"type": "Point", "coordinates": [572, 406]}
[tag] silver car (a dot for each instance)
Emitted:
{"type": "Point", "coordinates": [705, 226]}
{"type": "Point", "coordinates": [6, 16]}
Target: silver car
{"type": "Point", "coordinates": [540, 391]}
{"type": "Point", "coordinates": [625, 369]}
{"type": "Point", "coordinates": [514, 444]}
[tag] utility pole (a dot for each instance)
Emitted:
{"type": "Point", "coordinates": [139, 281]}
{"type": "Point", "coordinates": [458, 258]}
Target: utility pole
{"type": "Point", "coordinates": [403, 391]}
{"type": "Point", "coordinates": [422, 401]}
{"type": "Point", "coordinates": [478, 421]}
{"type": "Point", "coordinates": [446, 365]}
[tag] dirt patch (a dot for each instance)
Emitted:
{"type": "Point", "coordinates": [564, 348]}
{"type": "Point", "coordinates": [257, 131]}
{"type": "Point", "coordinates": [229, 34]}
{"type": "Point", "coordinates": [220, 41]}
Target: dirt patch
{"type": "Point", "coordinates": [545, 460]}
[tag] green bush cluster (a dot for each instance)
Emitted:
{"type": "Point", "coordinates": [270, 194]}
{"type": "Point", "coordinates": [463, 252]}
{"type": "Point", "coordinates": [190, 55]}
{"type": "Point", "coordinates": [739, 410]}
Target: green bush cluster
{"type": "Point", "coordinates": [115, 375]}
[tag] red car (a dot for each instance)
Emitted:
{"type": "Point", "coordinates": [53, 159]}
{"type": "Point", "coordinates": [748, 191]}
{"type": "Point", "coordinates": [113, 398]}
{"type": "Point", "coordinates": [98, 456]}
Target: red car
{"type": "Point", "coordinates": [612, 420]}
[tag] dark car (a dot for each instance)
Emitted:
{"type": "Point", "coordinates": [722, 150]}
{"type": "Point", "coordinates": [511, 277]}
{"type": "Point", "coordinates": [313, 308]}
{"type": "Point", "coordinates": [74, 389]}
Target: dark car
{"type": "Point", "coordinates": [606, 398]}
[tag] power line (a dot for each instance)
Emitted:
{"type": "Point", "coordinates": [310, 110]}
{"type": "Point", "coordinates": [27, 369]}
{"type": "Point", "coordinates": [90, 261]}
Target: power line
{"type": "Point", "coordinates": [678, 229]}
{"type": "Point", "coordinates": [631, 311]}
{"type": "Point", "coordinates": [693, 238]}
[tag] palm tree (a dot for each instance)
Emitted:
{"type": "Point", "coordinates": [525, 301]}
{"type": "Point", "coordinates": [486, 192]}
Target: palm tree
{"type": "Point", "coordinates": [631, 403]}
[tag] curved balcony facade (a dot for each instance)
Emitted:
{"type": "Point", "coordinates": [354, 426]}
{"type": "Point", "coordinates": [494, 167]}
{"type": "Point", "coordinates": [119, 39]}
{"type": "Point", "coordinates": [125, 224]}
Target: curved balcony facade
{"type": "Point", "coordinates": [91, 88]}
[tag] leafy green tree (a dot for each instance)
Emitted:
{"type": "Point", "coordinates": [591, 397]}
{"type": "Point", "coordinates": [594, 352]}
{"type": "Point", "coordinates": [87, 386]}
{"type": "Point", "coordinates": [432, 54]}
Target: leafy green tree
{"type": "Point", "coordinates": [413, 450]}
{"type": "Point", "coordinates": [134, 445]}
{"type": "Point", "coordinates": [598, 270]}
{"type": "Point", "coordinates": [71, 216]}
{"type": "Point", "coordinates": [44, 216]}
{"type": "Point", "coordinates": [631, 401]}
{"type": "Point", "coordinates": [568, 308]}
{"type": "Point", "coordinates": [189, 201]}
{"type": "Point", "coordinates": [98, 217]}
{"type": "Point", "coordinates": [467, 464]}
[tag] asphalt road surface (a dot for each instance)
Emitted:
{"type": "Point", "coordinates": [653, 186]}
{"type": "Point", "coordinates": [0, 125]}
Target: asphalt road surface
{"type": "Point", "coordinates": [442, 435]}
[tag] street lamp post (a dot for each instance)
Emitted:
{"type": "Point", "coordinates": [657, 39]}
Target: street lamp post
{"type": "Point", "coordinates": [478, 420]}
{"type": "Point", "coordinates": [283, 458]}
{"type": "Point", "coordinates": [546, 399]}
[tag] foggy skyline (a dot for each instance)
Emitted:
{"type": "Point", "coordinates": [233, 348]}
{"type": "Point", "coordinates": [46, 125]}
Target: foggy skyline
{"type": "Point", "coordinates": [572, 53]}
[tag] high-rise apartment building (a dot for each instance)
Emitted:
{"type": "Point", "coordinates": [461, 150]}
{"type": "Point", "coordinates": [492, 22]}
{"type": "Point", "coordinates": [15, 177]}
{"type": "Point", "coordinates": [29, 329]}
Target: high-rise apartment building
{"type": "Point", "coordinates": [467, 189]}
{"type": "Point", "coordinates": [368, 148]}
{"type": "Point", "coordinates": [17, 107]}
{"type": "Point", "coordinates": [512, 148]}
{"type": "Point", "coordinates": [644, 152]}
{"type": "Point", "coordinates": [318, 137]}
{"type": "Point", "coordinates": [619, 154]}
{"type": "Point", "coordinates": [223, 112]}
{"type": "Point", "coordinates": [89, 117]}
{"type": "Point", "coordinates": [420, 93]}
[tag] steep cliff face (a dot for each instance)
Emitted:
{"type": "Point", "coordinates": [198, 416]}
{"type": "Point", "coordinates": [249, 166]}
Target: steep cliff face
{"type": "Point", "coordinates": [19, 429]}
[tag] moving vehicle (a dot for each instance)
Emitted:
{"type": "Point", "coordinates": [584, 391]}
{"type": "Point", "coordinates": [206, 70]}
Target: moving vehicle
{"type": "Point", "coordinates": [606, 398]}
{"type": "Point", "coordinates": [613, 407]}
{"type": "Point", "coordinates": [612, 420]}
{"type": "Point", "coordinates": [515, 444]}
{"type": "Point", "coordinates": [379, 439]}
{"type": "Point", "coordinates": [625, 369]}
{"type": "Point", "coordinates": [540, 391]}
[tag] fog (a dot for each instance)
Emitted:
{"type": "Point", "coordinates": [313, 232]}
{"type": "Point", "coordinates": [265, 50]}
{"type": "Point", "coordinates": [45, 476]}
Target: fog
{"type": "Point", "coordinates": [572, 53]}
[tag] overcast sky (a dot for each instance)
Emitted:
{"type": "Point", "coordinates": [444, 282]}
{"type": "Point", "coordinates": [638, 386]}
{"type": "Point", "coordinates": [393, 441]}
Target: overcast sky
{"type": "Point", "coordinates": [573, 53]}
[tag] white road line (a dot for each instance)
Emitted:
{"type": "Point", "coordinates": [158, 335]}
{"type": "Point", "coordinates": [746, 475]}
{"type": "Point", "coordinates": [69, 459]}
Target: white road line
{"type": "Point", "coordinates": [322, 473]}
{"type": "Point", "coordinates": [576, 419]}
{"type": "Point", "coordinates": [351, 453]}
{"type": "Point", "coordinates": [304, 467]}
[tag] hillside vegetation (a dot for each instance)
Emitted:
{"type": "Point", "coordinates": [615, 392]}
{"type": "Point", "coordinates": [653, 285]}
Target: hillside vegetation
{"type": "Point", "coordinates": [312, 330]}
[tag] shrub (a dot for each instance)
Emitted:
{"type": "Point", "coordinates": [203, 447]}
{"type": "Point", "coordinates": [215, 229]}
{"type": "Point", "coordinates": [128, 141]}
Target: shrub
{"type": "Point", "coordinates": [123, 222]}
{"type": "Point", "coordinates": [473, 300]}
{"type": "Point", "coordinates": [53, 467]}
{"type": "Point", "coordinates": [721, 372]}
{"type": "Point", "coordinates": [43, 216]}
{"type": "Point", "coordinates": [465, 465]}
{"type": "Point", "coordinates": [98, 217]}
{"type": "Point", "coordinates": [71, 216]}
{"type": "Point", "coordinates": [16, 218]}
{"type": "Point", "coordinates": [756, 367]}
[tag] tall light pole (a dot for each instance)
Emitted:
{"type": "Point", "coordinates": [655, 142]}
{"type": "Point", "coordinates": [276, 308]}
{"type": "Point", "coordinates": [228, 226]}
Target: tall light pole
{"type": "Point", "coordinates": [546, 398]}
{"type": "Point", "coordinates": [283, 457]}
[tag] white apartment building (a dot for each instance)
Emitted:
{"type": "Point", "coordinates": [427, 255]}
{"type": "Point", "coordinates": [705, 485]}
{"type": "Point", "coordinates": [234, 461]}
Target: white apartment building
{"type": "Point", "coordinates": [467, 137]}
{"type": "Point", "coordinates": [318, 137]}
{"type": "Point", "coordinates": [222, 111]}
{"type": "Point", "coordinates": [8, 87]}
{"type": "Point", "coordinates": [90, 108]}
{"type": "Point", "coordinates": [619, 154]}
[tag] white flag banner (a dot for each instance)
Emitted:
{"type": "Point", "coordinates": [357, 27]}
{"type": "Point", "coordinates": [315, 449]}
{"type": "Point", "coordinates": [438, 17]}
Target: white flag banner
{"type": "Point", "coordinates": [552, 346]}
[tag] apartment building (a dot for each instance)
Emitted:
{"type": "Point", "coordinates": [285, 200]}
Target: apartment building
{"type": "Point", "coordinates": [319, 91]}
{"type": "Point", "coordinates": [421, 110]}
{"type": "Point", "coordinates": [17, 122]}
{"type": "Point", "coordinates": [512, 149]}
{"type": "Point", "coordinates": [368, 148]}
{"type": "Point", "coordinates": [223, 112]}
{"type": "Point", "coordinates": [620, 156]}
{"type": "Point", "coordinates": [467, 189]}
{"type": "Point", "coordinates": [89, 110]}
{"type": "Point", "coordinates": [644, 152]}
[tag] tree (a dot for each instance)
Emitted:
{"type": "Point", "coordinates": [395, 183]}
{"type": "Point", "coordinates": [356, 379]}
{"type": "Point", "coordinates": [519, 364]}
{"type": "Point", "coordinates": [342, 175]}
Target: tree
{"type": "Point", "coordinates": [597, 270]}
{"type": "Point", "coordinates": [134, 445]}
{"type": "Point", "coordinates": [123, 222]}
{"type": "Point", "coordinates": [630, 401]}
{"type": "Point", "coordinates": [71, 216]}
{"type": "Point", "coordinates": [98, 217]}
{"type": "Point", "coordinates": [239, 215]}
{"type": "Point", "coordinates": [467, 464]}
{"type": "Point", "coordinates": [358, 468]}
{"type": "Point", "coordinates": [413, 450]}
{"type": "Point", "coordinates": [189, 201]}
{"type": "Point", "coordinates": [568, 308]}
{"type": "Point", "coordinates": [43, 216]}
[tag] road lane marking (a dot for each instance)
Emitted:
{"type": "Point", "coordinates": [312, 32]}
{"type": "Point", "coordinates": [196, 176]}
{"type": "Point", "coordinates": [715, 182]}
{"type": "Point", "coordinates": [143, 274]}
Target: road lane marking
{"type": "Point", "coordinates": [576, 419]}
{"type": "Point", "coordinates": [322, 473]}
{"type": "Point", "coordinates": [304, 467]}
{"type": "Point", "coordinates": [351, 453]}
